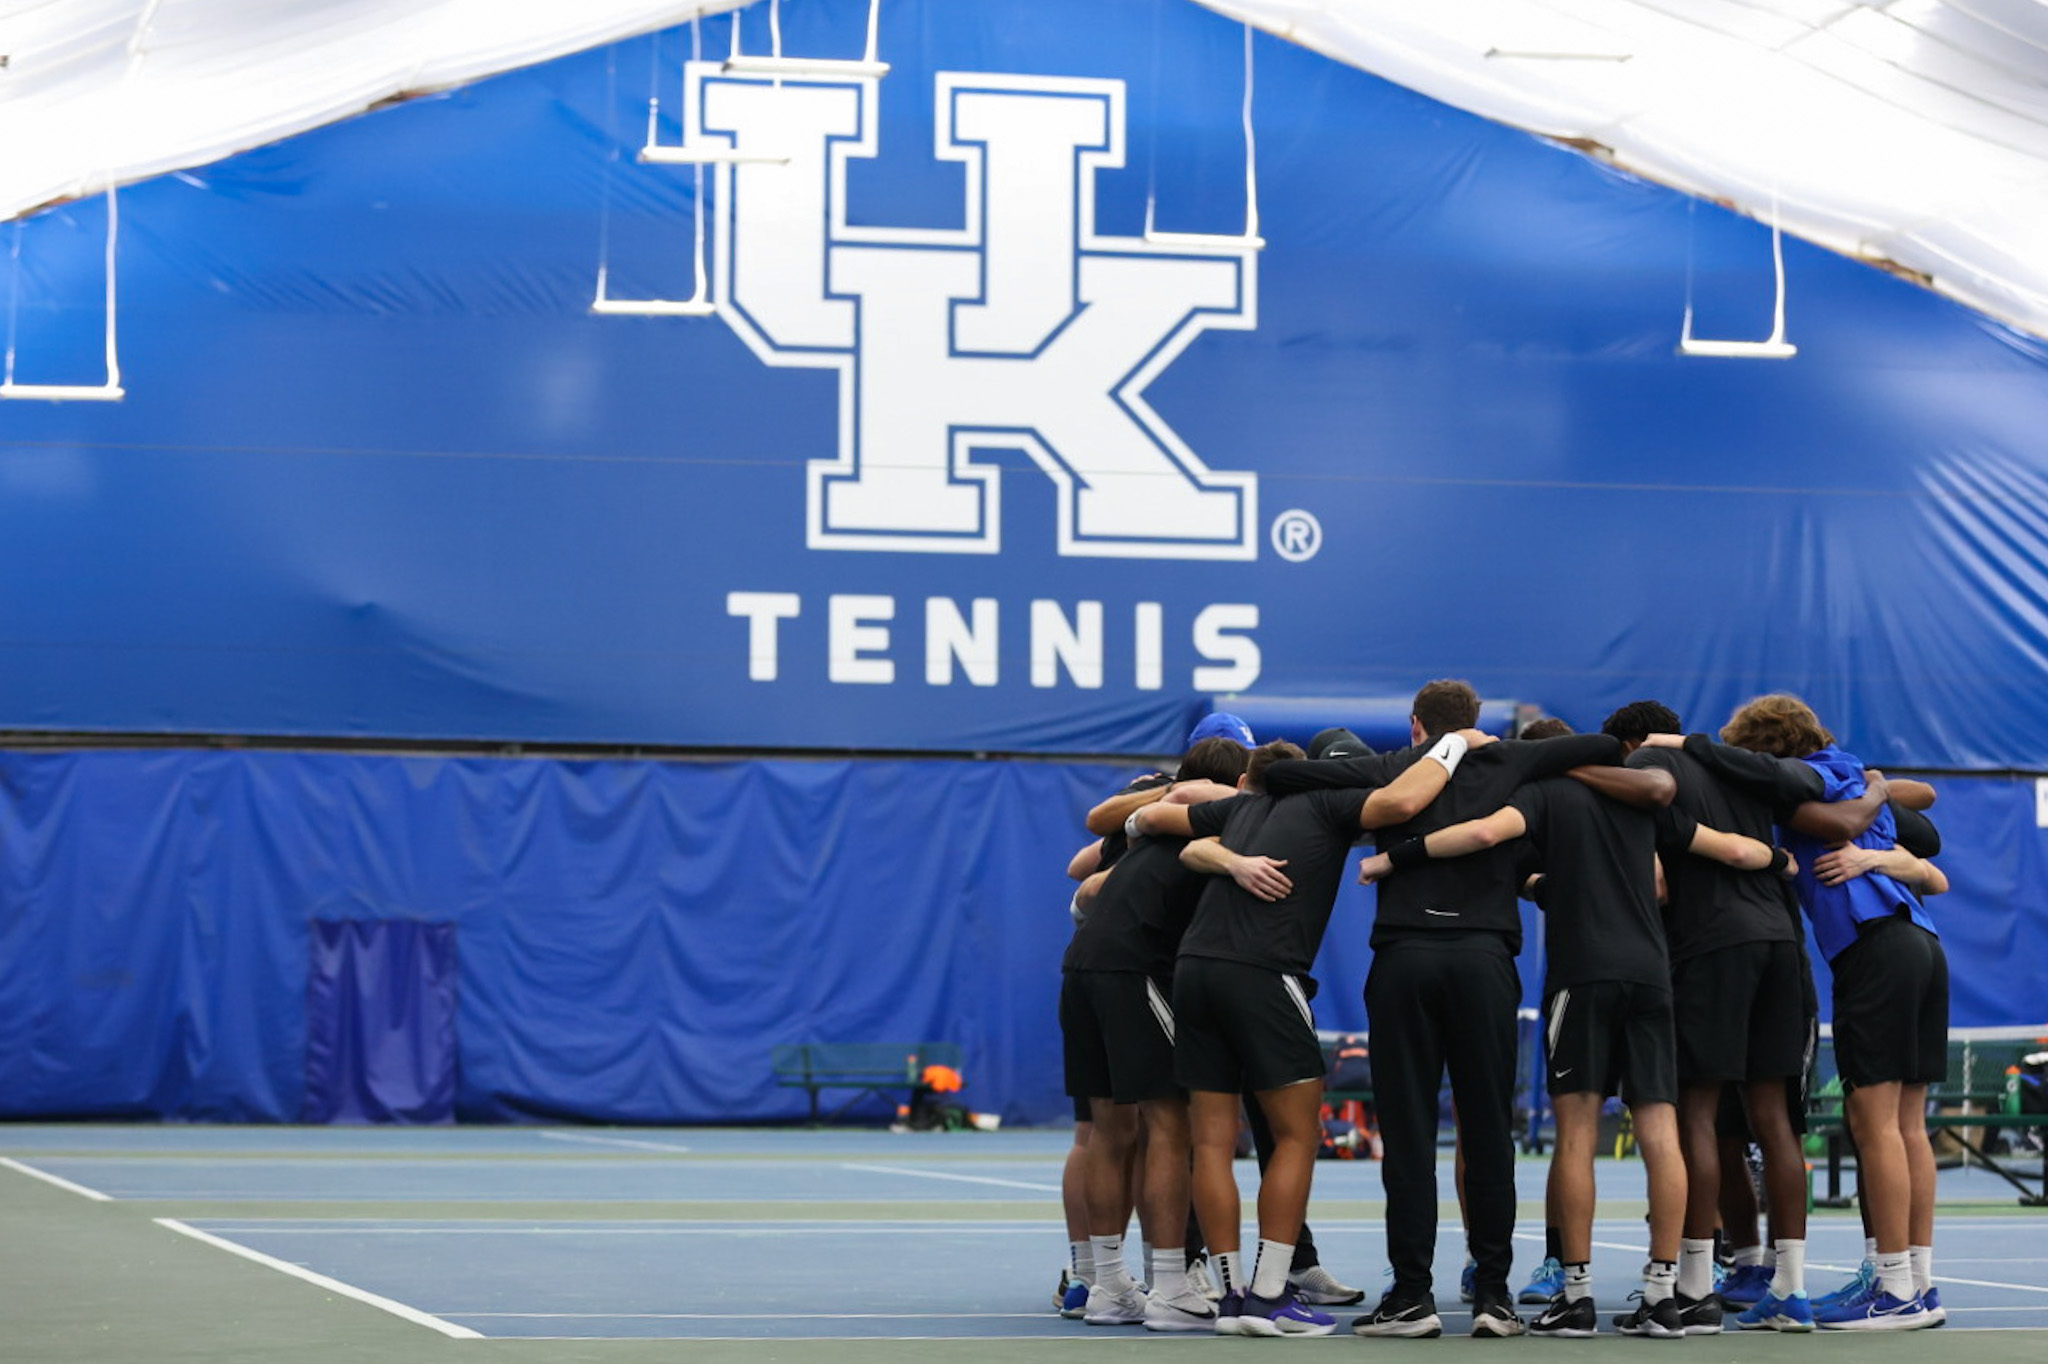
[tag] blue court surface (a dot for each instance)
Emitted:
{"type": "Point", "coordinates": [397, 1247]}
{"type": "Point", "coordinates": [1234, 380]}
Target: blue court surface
{"type": "Point", "coordinates": [721, 1234]}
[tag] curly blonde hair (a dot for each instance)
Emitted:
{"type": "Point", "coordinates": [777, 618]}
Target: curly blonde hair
{"type": "Point", "coordinates": [1779, 724]}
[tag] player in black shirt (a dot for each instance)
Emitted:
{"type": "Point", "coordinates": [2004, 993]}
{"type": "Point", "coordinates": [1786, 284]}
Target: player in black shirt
{"type": "Point", "coordinates": [1607, 1001]}
{"type": "Point", "coordinates": [1442, 994]}
{"type": "Point", "coordinates": [1118, 1028]}
{"type": "Point", "coordinates": [1743, 995]}
{"type": "Point", "coordinates": [1241, 991]}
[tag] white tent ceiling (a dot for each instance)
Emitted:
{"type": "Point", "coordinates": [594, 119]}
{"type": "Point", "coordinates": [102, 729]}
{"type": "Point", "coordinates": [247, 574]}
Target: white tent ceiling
{"type": "Point", "coordinates": [1910, 133]}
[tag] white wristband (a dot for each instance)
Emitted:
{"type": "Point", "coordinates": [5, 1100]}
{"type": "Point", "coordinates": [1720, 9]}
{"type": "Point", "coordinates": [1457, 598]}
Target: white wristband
{"type": "Point", "coordinates": [1074, 910]}
{"type": "Point", "coordinates": [1131, 829]}
{"type": "Point", "coordinates": [1450, 751]}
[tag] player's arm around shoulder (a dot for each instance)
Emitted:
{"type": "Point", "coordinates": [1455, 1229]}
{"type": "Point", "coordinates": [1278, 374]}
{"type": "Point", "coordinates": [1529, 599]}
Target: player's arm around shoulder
{"type": "Point", "coordinates": [1409, 794]}
{"type": "Point", "coordinates": [1259, 875]}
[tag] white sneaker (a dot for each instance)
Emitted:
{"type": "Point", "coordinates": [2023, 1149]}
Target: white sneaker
{"type": "Point", "coordinates": [1187, 1310]}
{"type": "Point", "coordinates": [1317, 1287]}
{"type": "Point", "coordinates": [1115, 1309]}
{"type": "Point", "coordinates": [1200, 1282]}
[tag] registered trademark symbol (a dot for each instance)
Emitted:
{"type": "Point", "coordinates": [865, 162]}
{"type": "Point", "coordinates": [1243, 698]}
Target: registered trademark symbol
{"type": "Point", "coordinates": [1297, 535]}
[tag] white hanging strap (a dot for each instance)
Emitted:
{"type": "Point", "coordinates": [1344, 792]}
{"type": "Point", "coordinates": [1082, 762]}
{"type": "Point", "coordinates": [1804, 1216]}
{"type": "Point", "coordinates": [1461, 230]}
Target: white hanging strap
{"type": "Point", "coordinates": [111, 390]}
{"type": "Point", "coordinates": [653, 153]}
{"type": "Point", "coordinates": [775, 64]}
{"type": "Point", "coordinates": [1773, 347]}
{"type": "Point", "coordinates": [1209, 241]}
{"type": "Point", "coordinates": [700, 303]}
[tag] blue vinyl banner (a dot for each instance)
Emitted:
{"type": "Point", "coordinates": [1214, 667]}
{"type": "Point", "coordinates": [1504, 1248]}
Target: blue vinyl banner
{"type": "Point", "coordinates": [380, 1022]}
{"type": "Point", "coordinates": [984, 404]}
{"type": "Point", "coordinates": [636, 937]}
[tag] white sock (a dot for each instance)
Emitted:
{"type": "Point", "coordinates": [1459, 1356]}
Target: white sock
{"type": "Point", "coordinates": [1770, 1260]}
{"type": "Point", "coordinates": [1081, 1255]}
{"type": "Point", "coordinates": [1229, 1269]}
{"type": "Point", "coordinates": [1895, 1274]}
{"type": "Point", "coordinates": [1578, 1282]}
{"type": "Point", "coordinates": [1111, 1274]}
{"type": "Point", "coordinates": [1269, 1272]}
{"type": "Point", "coordinates": [1870, 1249]}
{"type": "Point", "coordinates": [1145, 1256]}
{"type": "Point", "coordinates": [1923, 1267]}
{"type": "Point", "coordinates": [1790, 1277]}
{"type": "Point", "coordinates": [1166, 1271]}
{"type": "Point", "coordinates": [1660, 1280]}
{"type": "Point", "coordinates": [1746, 1255]}
{"type": "Point", "coordinates": [1696, 1268]}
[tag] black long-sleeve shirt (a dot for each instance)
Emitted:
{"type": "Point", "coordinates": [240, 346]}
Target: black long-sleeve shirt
{"type": "Point", "coordinates": [1458, 893]}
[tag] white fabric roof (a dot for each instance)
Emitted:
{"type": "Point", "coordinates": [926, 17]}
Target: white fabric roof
{"type": "Point", "coordinates": [1909, 133]}
{"type": "Point", "coordinates": [100, 92]}
{"type": "Point", "coordinates": [1912, 133]}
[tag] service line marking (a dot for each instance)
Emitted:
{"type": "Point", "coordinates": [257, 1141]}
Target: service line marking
{"type": "Point", "coordinates": [963, 1179]}
{"type": "Point", "coordinates": [614, 1141]}
{"type": "Point", "coordinates": [395, 1308]}
{"type": "Point", "coordinates": [33, 1173]}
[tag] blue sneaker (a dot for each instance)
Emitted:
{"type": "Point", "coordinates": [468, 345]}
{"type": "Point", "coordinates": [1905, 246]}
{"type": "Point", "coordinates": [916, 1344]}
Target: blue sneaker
{"type": "Point", "coordinates": [1774, 1313]}
{"type": "Point", "coordinates": [1285, 1315]}
{"type": "Point", "coordinates": [1468, 1281]}
{"type": "Point", "coordinates": [1546, 1283]}
{"type": "Point", "coordinates": [1745, 1286]}
{"type": "Point", "coordinates": [1877, 1310]}
{"type": "Point", "coordinates": [1930, 1303]}
{"type": "Point", "coordinates": [1230, 1313]}
{"type": "Point", "coordinates": [1074, 1303]}
{"type": "Point", "coordinates": [1865, 1280]}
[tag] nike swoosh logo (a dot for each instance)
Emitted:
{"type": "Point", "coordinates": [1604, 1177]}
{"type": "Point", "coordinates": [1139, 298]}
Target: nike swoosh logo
{"type": "Point", "coordinates": [1560, 1074]}
{"type": "Point", "coordinates": [1442, 913]}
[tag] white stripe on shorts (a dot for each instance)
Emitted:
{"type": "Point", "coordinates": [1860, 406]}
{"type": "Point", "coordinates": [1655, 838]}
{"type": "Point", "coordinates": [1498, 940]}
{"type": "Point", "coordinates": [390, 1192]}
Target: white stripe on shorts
{"type": "Point", "coordinates": [1557, 1007]}
{"type": "Point", "coordinates": [1161, 1010]}
{"type": "Point", "coordinates": [1301, 1002]}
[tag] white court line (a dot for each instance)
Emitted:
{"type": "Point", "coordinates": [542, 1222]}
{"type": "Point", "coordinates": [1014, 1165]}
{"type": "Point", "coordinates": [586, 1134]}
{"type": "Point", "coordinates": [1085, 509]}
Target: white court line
{"type": "Point", "coordinates": [964, 1179]}
{"type": "Point", "coordinates": [612, 1141]}
{"type": "Point", "coordinates": [689, 1229]}
{"type": "Point", "coordinates": [33, 1173]}
{"type": "Point", "coordinates": [397, 1309]}
{"type": "Point", "coordinates": [765, 1316]}
{"type": "Point", "coordinates": [1637, 1248]}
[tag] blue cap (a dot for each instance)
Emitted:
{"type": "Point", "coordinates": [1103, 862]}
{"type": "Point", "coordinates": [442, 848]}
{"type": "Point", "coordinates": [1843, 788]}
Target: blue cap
{"type": "Point", "coordinates": [1220, 725]}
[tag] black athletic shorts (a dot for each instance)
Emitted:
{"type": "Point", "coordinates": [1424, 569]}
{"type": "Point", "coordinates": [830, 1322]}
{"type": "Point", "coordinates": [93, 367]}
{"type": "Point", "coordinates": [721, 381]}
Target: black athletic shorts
{"type": "Point", "coordinates": [1731, 1121]}
{"type": "Point", "coordinates": [1611, 1037]}
{"type": "Point", "coordinates": [1741, 1013]}
{"type": "Point", "coordinates": [1119, 1036]}
{"type": "Point", "coordinates": [1242, 1028]}
{"type": "Point", "coordinates": [1891, 1006]}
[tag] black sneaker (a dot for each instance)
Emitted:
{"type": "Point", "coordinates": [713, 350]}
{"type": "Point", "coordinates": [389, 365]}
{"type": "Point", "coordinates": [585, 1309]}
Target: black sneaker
{"type": "Point", "coordinates": [1493, 1314]}
{"type": "Point", "coordinates": [1700, 1316]}
{"type": "Point", "coordinates": [1567, 1319]}
{"type": "Point", "coordinates": [1408, 1315]}
{"type": "Point", "coordinates": [1659, 1319]}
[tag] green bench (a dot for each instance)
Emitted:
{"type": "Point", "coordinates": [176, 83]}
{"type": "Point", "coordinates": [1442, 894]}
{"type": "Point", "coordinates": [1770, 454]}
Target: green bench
{"type": "Point", "coordinates": [868, 1067]}
{"type": "Point", "coordinates": [1827, 1122]}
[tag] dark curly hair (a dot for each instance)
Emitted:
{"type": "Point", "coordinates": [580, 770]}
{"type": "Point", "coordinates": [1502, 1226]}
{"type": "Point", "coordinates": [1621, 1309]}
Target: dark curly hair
{"type": "Point", "coordinates": [1637, 719]}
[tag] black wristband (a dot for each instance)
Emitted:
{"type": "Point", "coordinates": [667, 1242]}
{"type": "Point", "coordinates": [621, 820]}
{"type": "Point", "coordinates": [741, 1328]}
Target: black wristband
{"type": "Point", "coordinates": [1409, 854]}
{"type": "Point", "coordinates": [1780, 859]}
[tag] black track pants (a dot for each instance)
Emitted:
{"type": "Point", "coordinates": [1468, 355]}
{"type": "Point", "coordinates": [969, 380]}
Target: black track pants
{"type": "Point", "coordinates": [1434, 1005]}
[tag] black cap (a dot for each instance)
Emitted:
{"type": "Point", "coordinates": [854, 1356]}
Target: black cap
{"type": "Point", "coordinates": [1338, 742]}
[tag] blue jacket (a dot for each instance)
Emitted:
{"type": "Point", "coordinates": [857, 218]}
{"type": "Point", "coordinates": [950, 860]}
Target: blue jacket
{"type": "Point", "coordinates": [1837, 911]}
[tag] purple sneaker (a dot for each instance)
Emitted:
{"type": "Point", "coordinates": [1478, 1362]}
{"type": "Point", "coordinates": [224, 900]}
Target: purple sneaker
{"type": "Point", "coordinates": [1745, 1286]}
{"type": "Point", "coordinates": [1285, 1315]}
{"type": "Point", "coordinates": [1230, 1313]}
